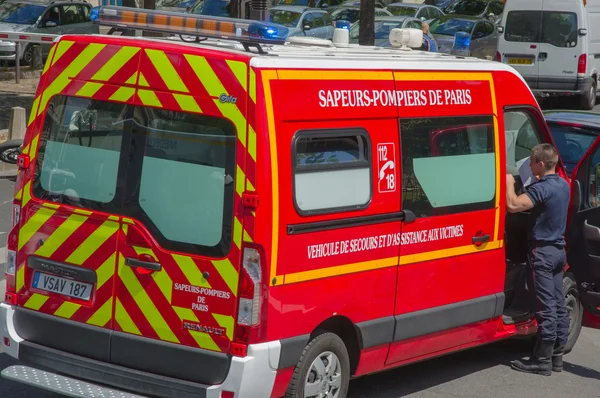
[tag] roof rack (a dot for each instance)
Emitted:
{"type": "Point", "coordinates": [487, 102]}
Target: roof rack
{"type": "Point", "coordinates": [248, 32]}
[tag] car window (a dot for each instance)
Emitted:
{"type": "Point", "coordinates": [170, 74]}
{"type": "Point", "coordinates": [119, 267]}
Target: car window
{"type": "Point", "coordinates": [438, 153]}
{"type": "Point", "coordinates": [572, 142]}
{"type": "Point", "coordinates": [72, 15]}
{"type": "Point", "coordinates": [496, 8]}
{"type": "Point", "coordinates": [285, 18]}
{"type": "Point", "coordinates": [348, 14]}
{"type": "Point", "coordinates": [413, 24]}
{"type": "Point", "coordinates": [467, 7]}
{"type": "Point", "coordinates": [593, 190]}
{"type": "Point", "coordinates": [402, 10]}
{"type": "Point", "coordinates": [319, 21]}
{"type": "Point", "coordinates": [308, 20]}
{"type": "Point", "coordinates": [51, 18]}
{"type": "Point", "coordinates": [559, 28]}
{"type": "Point", "coordinates": [433, 13]}
{"type": "Point", "coordinates": [84, 12]}
{"type": "Point", "coordinates": [381, 13]}
{"type": "Point", "coordinates": [483, 29]}
{"type": "Point", "coordinates": [522, 133]}
{"type": "Point", "coordinates": [523, 26]}
{"type": "Point", "coordinates": [449, 27]}
{"type": "Point", "coordinates": [328, 19]}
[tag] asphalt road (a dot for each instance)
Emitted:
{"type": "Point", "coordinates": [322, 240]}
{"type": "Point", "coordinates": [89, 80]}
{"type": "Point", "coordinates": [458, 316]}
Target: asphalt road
{"type": "Point", "coordinates": [482, 372]}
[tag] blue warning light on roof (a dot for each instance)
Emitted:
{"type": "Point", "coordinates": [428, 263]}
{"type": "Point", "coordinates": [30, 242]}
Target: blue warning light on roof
{"type": "Point", "coordinates": [267, 31]}
{"type": "Point", "coordinates": [462, 41]}
{"type": "Point", "coordinates": [342, 24]}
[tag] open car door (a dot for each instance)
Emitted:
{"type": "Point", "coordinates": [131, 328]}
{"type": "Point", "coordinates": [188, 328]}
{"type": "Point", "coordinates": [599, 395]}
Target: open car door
{"type": "Point", "coordinates": [583, 233]}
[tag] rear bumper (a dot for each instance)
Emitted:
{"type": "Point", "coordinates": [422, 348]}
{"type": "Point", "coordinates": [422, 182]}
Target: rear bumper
{"type": "Point", "coordinates": [559, 85]}
{"type": "Point", "coordinates": [253, 375]}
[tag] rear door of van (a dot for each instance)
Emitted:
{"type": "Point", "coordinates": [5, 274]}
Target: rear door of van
{"type": "Point", "coordinates": [519, 44]}
{"type": "Point", "coordinates": [560, 45]}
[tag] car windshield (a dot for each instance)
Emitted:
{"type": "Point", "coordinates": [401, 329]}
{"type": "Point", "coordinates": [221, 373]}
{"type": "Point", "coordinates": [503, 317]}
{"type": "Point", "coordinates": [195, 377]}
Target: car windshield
{"type": "Point", "coordinates": [467, 7]}
{"type": "Point", "coordinates": [20, 13]}
{"type": "Point", "coordinates": [382, 29]}
{"type": "Point", "coordinates": [285, 17]}
{"type": "Point", "coordinates": [347, 14]}
{"type": "Point", "coordinates": [217, 8]}
{"type": "Point", "coordinates": [402, 10]}
{"type": "Point", "coordinates": [571, 142]}
{"type": "Point", "coordinates": [449, 27]}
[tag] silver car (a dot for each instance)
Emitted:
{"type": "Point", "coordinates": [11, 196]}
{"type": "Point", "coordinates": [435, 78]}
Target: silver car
{"type": "Point", "coordinates": [50, 17]}
{"type": "Point", "coordinates": [422, 11]}
{"type": "Point", "coordinates": [484, 35]}
{"type": "Point", "coordinates": [383, 27]}
{"type": "Point", "coordinates": [303, 21]}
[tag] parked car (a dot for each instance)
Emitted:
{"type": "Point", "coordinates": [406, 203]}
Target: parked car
{"type": "Point", "coordinates": [350, 11]}
{"type": "Point", "coordinates": [573, 133]}
{"type": "Point", "coordinates": [324, 4]}
{"type": "Point", "coordinates": [422, 11]}
{"type": "Point", "coordinates": [216, 8]}
{"type": "Point", "coordinates": [303, 21]}
{"type": "Point", "coordinates": [383, 27]}
{"type": "Point", "coordinates": [489, 9]}
{"type": "Point", "coordinates": [484, 36]}
{"type": "Point", "coordinates": [52, 17]}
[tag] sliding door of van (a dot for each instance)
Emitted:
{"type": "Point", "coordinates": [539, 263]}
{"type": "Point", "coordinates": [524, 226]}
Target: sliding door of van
{"type": "Point", "coordinates": [519, 46]}
{"type": "Point", "coordinates": [560, 47]}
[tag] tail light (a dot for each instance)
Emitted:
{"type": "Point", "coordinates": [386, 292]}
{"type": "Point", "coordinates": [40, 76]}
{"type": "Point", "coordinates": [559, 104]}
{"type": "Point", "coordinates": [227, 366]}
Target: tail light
{"type": "Point", "coordinates": [582, 64]}
{"type": "Point", "coordinates": [498, 57]}
{"type": "Point", "coordinates": [252, 303]}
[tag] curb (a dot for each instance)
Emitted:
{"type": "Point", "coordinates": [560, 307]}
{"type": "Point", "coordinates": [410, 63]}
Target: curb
{"type": "Point", "coordinates": [24, 74]}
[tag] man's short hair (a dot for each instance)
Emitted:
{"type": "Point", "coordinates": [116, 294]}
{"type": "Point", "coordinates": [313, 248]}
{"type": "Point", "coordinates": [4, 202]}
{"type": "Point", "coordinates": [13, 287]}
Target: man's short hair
{"type": "Point", "coordinates": [545, 153]}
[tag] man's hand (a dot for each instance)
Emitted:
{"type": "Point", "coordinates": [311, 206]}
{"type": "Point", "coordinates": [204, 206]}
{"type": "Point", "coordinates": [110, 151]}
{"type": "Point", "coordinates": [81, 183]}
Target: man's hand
{"type": "Point", "coordinates": [514, 203]}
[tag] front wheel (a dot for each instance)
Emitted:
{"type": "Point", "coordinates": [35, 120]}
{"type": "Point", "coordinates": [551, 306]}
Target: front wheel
{"type": "Point", "coordinates": [10, 150]}
{"type": "Point", "coordinates": [588, 100]}
{"type": "Point", "coordinates": [323, 370]}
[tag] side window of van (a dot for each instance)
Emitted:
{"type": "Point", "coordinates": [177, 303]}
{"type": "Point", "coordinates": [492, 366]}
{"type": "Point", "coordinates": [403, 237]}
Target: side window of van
{"type": "Point", "coordinates": [522, 134]}
{"type": "Point", "coordinates": [331, 170]}
{"type": "Point", "coordinates": [449, 165]}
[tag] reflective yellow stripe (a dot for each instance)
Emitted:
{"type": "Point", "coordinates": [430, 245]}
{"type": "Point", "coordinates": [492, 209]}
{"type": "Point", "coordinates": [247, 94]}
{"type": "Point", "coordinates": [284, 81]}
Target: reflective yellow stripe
{"type": "Point", "coordinates": [252, 90]}
{"type": "Point", "coordinates": [33, 225]}
{"type": "Point", "coordinates": [291, 74]}
{"type": "Point", "coordinates": [145, 304]}
{"type": "Point", "coordinates": [249, 186]}
{"type": "Point", "coordinates": [93, 242]}
{"type": "Point", "coordinates": [76, 66]}
{"type": "Point", "coordinates": [225, 321]}
{"type": "Point", "coordinates": [117, 61]}
{"type": "Point", "coordinates": [149, 98]}
{"type": "Point", "coordinates": [89, 89]}
{"type": "Point", "coordinates": [34, 147]}
{"type": "Point", "coordinates": [33, 112]}
{"type": "Point", "coordinates": [124, 320]}
{"type": "Point", "coordinates": [204, 340]}
{"type": "Point", "coordinates": [47, 64]}
{"type": "Point", "coordinates": [36, 301]}
{"type": "Point", "coordinates": [252, 142]}
{"type": "Point", "coordinates": [191, 271]}
{"type": "Point", "coordinates": [133, 79]}
{"type": "Point", "coordinates": [162, 279]}
{"type": "Point", "coordinates": [237, 232]}
{"type": "Point", "coordinates": [51, 205]}
{"type": "Point", "coordinates": [60, 235]}
{"type": "Point", "coordinates": [166, 70]}
{"type": "Point", "coordinates": [143, 82]}
{"type": "Point", "coordinates": [187, 103]}
{"type": "Point", "coordinates": [445, 253]}
{"type": "Point", "coordinates": [26, 193]}
{"type": "Point", "coordinates": [63, 46]}
{"type": "Point", "coordinates": [228, 273]}
{"type": "Point", "coordinates": [241, 180]}
{"type": "Point", "coordinates": [82, 211]}
{"type": "Point", "coordinates": [215, 88]}
{"type": "Point", "coordinates": [247, 237]}
{"type": "Point", "coordinates": [341, 269]}
{"type": "Point", "coordinates": [123, 94]}
{"type": "Point", "coordinates": [103, 315]}
{"type": "Point", "coordinates": [239, 70]}
{"type": "Point", "coordinates": [19, 194]}
{"type": "Point", "coordinates": [67, 309]}
{"type": "Point", "coordinates": [106, 270]}
{"type": "Point", "coordinates": [20, 278]}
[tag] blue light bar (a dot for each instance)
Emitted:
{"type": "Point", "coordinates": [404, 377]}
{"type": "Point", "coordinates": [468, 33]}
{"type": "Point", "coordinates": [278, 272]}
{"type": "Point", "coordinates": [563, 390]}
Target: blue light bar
{"type": "Point", "coordinates": [342, 24]}
{"type": "Point", "coordinates": [178, 23]}
{"type": "Point", "coordinates": [462, 41]}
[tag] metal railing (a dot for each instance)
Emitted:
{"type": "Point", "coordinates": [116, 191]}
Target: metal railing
{"type": "Point", "coordinates": [21, 38]}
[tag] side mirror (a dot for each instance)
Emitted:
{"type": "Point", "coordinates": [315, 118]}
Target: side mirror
{"type": "Point", "coordinates": [500, 29]}
{"type": "Point", "coordinates": [50, 24]}
{"type": "Point", "coordinates": [324, 5]}
{"type": "Point", "coordinates": [423, 19]}
{"type": "Point", "coordinates": [582, 32]}
{"type": "Point", "coordinates": [307, 27]}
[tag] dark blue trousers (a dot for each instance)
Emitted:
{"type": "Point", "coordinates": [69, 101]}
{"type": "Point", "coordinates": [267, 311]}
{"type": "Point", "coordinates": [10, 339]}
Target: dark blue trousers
{"type": "Point", "coordinates": [545, 279]}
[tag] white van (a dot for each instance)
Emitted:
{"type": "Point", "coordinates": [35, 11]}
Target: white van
{"type": "Point", "coordinates": [554, 45]}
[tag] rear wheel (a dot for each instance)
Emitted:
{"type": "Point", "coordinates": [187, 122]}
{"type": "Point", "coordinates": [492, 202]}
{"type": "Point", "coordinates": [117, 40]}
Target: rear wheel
{"type": "Point", "coordinates": [574, 308]}
{"type": "Point", "coordinates": [323, 370]}
{"type": "Point", "coordinates": [9, 150]}
{"type": "Point", "coordinates": [588, 100]}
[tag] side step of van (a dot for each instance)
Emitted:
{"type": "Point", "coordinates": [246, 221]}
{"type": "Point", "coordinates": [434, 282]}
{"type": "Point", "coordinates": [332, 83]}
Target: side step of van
{"type": "Point", "coordinates": [61, 384]}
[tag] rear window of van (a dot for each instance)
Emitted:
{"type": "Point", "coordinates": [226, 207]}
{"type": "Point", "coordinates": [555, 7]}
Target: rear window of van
{"type": "Point", "coordinates": [556, 28]}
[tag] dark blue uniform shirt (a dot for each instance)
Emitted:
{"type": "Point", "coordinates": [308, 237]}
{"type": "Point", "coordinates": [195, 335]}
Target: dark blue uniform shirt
{"type": "Point", "coordinates": [548, 219]}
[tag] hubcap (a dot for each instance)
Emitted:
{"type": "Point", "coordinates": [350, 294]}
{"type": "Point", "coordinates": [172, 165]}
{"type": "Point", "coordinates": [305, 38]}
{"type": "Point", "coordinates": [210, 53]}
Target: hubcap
{"type": "Point", "coordinates": [324, 377]}
{"type": "Point", "coordinates": [10, 155]}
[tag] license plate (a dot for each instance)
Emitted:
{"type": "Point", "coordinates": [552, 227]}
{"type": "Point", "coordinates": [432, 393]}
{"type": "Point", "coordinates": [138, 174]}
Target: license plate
{"type": "Point", "coordinates": [64, 286]}
{"type": "Point", "coordinates": [520, 61]}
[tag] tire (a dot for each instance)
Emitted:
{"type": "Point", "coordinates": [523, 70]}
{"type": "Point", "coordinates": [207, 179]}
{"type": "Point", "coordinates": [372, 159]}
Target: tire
{"type": "Point", "coordinates": [588, 100]}
{"type": "Point", "coordinates": [575, 309]}
{"type": "Point", "coordinates": [27, 56]}
{"type": "Point", "coordinates": [321, 348]}
{"type": "Point", "coordinates": [9, 150]}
